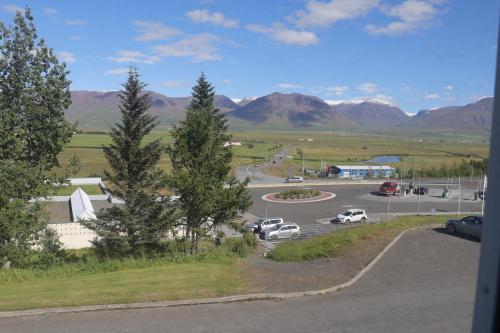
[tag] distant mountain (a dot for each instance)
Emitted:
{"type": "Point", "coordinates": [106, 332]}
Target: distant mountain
{"type": "Point", "coordinates": [98, 110]}
{"type": "Point", "coordinates": [372, 114]}
{"type": "Point", "coordinates": [293, 109]}
{"type": "Point", "coordinates": [247, 100]}
{"type": "Point", "coordinates": [474, 117]}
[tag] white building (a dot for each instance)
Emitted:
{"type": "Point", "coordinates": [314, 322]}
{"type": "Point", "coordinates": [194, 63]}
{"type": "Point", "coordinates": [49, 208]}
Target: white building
{"type": "Point", "coordinates": [81, 207]}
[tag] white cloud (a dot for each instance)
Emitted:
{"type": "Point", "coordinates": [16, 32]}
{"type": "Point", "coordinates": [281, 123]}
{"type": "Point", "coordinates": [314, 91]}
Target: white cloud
{"type": "Point", "coordinates": [173, 84]}
{"type": "Point", "coordinates": [66, 57]}
{"type": "Point", "coordinates": [324, 14]}
{"type": "Point", "coordinates": [412, 15]}
{"type": "Point", "coordinates": [117, 71]}
{"type": "Point", "coordinates": [75, 37]}
{"type": "Point", "coordinates": [431, 96]}
{"type": "Point", "coordinates": [226, 81]}
{"type": "Point", "coordinates": [448, 88]}
{"type": "Point", "coordinates": [75, 22]}
{"type": "Point", "coordinates": [50, 11]}
{"type": "Point", "coordinates": [286, 85]}
{"type": "Point", "coordinates": [205, 16]}
{"type": "Point", "coordinates": [337, 90]}
{"type": "Point", "coordinates": [129, 56]}
{"type": "Point", "coordinates": [151, 31]}
{"type": "Point", "coordinates": [406, 89]}
{"type": "Point", "coordinates": [368, 88]}
{"type": "Point", "coordinates": [11, 8]}
{"type": "Point", "coordinates": [202, 47]}
{"type": "Point", "coordinates": [288, 36]}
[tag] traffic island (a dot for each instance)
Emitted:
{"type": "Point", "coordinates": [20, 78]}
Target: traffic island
{"type": "Point", "coordinates": [298, 196]}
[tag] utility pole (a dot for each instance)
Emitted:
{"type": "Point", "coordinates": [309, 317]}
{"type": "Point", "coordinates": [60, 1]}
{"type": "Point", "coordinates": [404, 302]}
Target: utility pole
{"type": "Point", "coordinates": [418, 193]}
{"type": "Point", "coordinates": [303, 164]}
{"type": "Point", "coordinates": [459, 195]}
{"type": "Point", "coordinates": [388, 207]}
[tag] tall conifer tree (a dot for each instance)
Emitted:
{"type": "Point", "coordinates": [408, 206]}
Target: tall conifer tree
{"type": "Point", "coordinates": [209, 195]}
{"type": "Point", "coordinates": [145, 218]}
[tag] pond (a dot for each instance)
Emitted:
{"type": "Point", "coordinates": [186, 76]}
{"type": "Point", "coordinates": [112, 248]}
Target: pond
{"type": "Point", "coordinates": [385, 159]}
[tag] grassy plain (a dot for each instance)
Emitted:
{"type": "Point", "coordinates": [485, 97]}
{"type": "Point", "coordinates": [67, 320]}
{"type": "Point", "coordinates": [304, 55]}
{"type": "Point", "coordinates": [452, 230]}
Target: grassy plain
{"type": "Point", "coordinates": [331, 148]}
{"type": "Point", "coordinates": [89, 189]}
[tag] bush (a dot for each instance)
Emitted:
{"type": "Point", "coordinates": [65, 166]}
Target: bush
{"type": "Point", "coordinates": [298, 194]}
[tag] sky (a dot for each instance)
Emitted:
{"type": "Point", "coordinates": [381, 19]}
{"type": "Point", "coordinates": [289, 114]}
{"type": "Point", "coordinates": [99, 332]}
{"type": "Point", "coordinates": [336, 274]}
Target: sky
{"type": "Point", "coordinates": [416, 54]}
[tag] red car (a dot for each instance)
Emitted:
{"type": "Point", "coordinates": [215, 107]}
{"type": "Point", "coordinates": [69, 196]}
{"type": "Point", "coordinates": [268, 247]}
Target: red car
{"type": "Point", "coordinates": [389, 188]}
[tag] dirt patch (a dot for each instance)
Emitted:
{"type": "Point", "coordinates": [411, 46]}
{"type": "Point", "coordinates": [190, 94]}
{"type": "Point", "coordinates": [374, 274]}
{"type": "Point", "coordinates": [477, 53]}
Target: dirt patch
{"type": "Point", "coordinates": [265, 275]}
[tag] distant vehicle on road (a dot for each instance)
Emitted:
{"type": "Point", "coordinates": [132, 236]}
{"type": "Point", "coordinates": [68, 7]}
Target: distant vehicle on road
{"type": "Point", "coordinates": [284, 231]}
{"type": "Point", "coordinates": [263, 224]}
{"type": "Point", "coordinates": [351, 215]}
{"type": "Point", "coordinates": [388, 188]}
{"type": "Point", "coordinates": [294, 179]}
{"type": "Point", "coordinates": [255, 165]}
{"type": "Point", "coordinates": [469, 226]}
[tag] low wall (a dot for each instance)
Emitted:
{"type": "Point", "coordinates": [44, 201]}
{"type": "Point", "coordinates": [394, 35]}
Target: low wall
{"type": "Point", "coordinates": [73, 235]}
{"type": "Point", "coordinates": [85, 181]}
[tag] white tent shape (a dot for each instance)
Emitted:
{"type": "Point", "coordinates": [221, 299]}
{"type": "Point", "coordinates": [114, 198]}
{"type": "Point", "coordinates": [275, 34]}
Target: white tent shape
{"type": "Point", "coordinates": [81, 207]}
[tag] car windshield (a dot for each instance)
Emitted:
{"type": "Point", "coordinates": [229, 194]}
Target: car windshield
{"type": "Point", "coordinates": [347, 213]}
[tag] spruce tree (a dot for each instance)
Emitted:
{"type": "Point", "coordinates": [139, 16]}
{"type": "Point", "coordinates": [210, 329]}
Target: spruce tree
{"type": "Point", "coordinates": [144, 220]}
{"type": "Point", "coordinates": [34, 92]}
{"type": "Point", "coordinates": [209, 195]}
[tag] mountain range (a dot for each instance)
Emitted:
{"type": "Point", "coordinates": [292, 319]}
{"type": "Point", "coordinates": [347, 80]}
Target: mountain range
{"type": "Point", "coordinates": [99, 110]}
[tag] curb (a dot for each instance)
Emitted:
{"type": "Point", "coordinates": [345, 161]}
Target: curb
{"type": "Point", "coordinates": [330, 196]}
{"type": "Point", "coordinates": [218, 300]}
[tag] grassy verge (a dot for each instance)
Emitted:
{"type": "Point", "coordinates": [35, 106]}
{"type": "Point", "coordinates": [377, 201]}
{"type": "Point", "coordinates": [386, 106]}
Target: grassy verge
{"type": "Point", "coordinates": [89, 189]}
{"type": "Point", "coordinates": [334, 243]}
{"type": "Point", "coordinates": [85, 282]}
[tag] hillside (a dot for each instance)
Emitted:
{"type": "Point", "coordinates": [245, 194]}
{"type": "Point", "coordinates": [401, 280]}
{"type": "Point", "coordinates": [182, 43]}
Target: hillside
{"type": "Point", "coordinates": [373, 115]}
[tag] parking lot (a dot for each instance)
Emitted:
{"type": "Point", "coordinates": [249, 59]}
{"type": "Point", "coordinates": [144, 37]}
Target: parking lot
{"type": "Point", "coordinates": [360, 196]}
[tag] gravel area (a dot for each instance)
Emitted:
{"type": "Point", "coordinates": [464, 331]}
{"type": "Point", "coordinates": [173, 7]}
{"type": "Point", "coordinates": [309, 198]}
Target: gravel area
{"type": "Point", "coordinates": [265, 275]}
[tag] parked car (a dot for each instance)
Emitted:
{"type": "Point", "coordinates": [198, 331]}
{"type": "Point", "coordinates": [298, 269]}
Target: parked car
{"type": "Point", "coordinates": [469, 226]}
{"type": "Point", "coordinates": [294, 179]}
{"type": "Point", "coordinates": [389, 188]}
{"type": "Point", "coordinates": [482, 195]}
{"type": "Point", "coordinates": [264, 224]}
{"type": "Point", "coordinates": [351, 215]}
{"type": "Point", "coordinates": [421, 190]}
{"type": "Point", "coordinates": [283, 231]}
{"type": "Point", "coordinates": [255, 165]}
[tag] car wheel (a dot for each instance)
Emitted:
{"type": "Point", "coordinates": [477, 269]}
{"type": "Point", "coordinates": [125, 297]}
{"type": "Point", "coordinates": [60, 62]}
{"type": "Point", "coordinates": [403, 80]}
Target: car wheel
{"type": "Point", "coordinates": [451, 229]}
{"type": "Point", "coordinates": [363, 219]}
{"type": "Point", "coordinates": [347, 221]}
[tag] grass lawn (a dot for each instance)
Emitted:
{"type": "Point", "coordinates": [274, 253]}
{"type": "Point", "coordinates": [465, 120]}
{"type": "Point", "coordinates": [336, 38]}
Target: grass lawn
{"type": "Point", "coordinates": [334, 243]}
{"type": "Point", "coordinates": [89, 189]}
{"type": "Point", "coordinates": [169, 281]}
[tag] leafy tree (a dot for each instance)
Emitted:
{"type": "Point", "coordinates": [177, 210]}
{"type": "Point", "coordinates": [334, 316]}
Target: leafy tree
{"type": "Point", "coordinates": [209, 196]}
{"type": "Point", "coordinates": [34, 92]}
{"type": "Point", "coordinates": [145, 219]}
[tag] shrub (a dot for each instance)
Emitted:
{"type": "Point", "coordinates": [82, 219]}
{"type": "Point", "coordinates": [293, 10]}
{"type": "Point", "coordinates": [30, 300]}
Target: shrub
{"type": "Point", "coordinates": [298, 194]}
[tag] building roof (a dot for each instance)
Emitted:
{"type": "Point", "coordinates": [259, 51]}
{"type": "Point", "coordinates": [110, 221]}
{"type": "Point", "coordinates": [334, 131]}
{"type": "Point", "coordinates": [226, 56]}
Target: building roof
{"type": "Point", "coordinates": [365, 167]}
{"type": "Point", "coordinates": [81, 207]}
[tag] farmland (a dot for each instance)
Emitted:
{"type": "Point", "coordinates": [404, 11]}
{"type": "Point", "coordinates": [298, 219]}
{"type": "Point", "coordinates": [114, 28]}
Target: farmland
{"type": "Point", "coordinates": [331, 148]}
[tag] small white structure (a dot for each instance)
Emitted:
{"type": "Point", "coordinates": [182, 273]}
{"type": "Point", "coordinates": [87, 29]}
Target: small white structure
{"type": "Point", "coordinates": [81, 207]}
{"type": "Point", "coordinates": [232, 143]}
{"type": "Point", "coordinates": [85, 181]}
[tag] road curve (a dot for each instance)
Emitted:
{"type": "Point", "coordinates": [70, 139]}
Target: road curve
{"type": "Point", "coordinates": [425, 283]}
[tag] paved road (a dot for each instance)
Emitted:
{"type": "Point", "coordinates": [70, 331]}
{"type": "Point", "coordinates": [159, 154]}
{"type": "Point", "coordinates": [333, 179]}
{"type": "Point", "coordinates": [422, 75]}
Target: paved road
{"type": "Point", "coordinates": [353, 196]}
{"type": "Point", "coordinates": [423, 284]}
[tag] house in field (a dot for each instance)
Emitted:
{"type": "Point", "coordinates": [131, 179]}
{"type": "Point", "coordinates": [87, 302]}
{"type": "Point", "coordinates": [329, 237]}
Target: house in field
{"type": "Point", "coordinates": [81, 207]}
{"type": "Point", "coordinates": [361, 171]}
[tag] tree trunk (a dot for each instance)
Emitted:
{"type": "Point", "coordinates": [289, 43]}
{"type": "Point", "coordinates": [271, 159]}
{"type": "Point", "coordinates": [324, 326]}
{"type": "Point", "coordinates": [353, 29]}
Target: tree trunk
{"type": "Point", "coordinates": [6, 263]}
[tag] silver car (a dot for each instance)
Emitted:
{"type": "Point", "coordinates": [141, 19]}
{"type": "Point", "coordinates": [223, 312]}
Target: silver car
{"type": "Point", "coordinates": [469, 226]}
{"type": "Point", "coordinates": [282, 231]}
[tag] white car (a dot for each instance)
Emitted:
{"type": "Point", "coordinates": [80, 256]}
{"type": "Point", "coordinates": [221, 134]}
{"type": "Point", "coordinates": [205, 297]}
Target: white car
{"type": "Point", "coordinates": [294, 179]}
{"type": "Point", "coordinates": [288, 230]}
{"type": "Point", "coordinates": [265, 223]}
{"type": "Point", "coordinates": [351, 215]}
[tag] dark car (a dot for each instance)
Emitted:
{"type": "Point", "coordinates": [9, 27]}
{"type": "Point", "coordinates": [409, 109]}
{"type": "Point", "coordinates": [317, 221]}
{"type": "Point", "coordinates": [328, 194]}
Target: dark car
{"type": "Point", "coordinates": [421, 190]}
{"type": "Point", "coordinates": [469, 226]}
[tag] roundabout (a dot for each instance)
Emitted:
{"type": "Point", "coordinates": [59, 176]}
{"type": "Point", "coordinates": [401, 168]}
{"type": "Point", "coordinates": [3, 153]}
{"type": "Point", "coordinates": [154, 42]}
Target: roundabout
{"type": "Point", "coordinates": [278, 197]}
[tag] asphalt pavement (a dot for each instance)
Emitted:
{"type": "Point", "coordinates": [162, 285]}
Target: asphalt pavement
{"type": "Point", "coordinates": [425, 283]}
{"type": "Point", "coordinates": [357, 196]}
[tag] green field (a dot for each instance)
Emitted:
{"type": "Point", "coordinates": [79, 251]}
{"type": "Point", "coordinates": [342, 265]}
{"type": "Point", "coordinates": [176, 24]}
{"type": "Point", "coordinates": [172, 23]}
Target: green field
{"type": "Point", "coordinates": [89, 189]}
{"type": "Point", "coordinates": [165, 282]}
{"type": "Point", "coordinates": [331, 148]}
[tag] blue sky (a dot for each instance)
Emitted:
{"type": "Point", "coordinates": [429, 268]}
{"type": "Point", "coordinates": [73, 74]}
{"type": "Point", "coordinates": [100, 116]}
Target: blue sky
{"type": "Point", "coordinates": [416, 54]}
